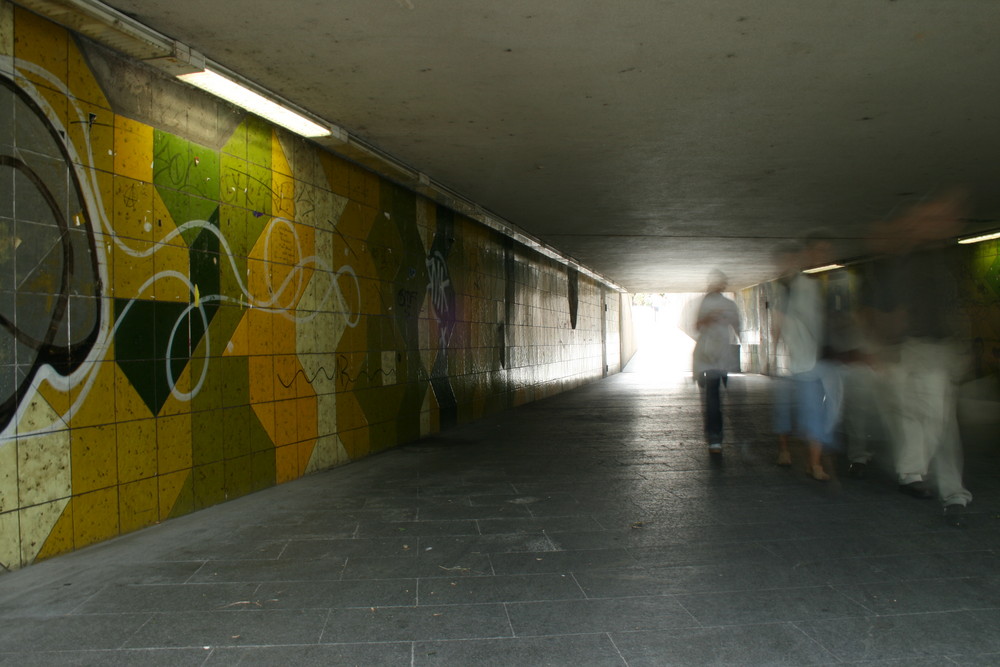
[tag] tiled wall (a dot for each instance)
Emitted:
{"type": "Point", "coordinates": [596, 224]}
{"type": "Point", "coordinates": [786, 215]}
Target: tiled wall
{"type": "Point", "coordinates": [196, 306]}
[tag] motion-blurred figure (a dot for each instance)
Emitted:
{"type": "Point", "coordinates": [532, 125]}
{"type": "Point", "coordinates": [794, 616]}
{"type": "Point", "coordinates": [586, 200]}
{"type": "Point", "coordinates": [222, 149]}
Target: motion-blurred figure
{"type": "Point", "coordinates": [850, 354]}
{"type": "Point", "coordinates": [786, 260]}
{"type": "Point", "coordinates": [801, 327]}
{"type": "Point", "coordinates": [717, 321]}
{"type": "Point", "coordinates": [912, 300]}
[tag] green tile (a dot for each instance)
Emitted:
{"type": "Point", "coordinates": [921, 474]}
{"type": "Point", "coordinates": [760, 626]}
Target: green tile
{"type": "Point", "coordinates": [236, 432]}
{"type": "Point", "coordinates": [209, 484]}
{"type": "Point", "coordinates": [239, 476]}
{"type": "Point", "coordinates": [262, 470]}
{"type": "Point", "coordinates": [207, 432]}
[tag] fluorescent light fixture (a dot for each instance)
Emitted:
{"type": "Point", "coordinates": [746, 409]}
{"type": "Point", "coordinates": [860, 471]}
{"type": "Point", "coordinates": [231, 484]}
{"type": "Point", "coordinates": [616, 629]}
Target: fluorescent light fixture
{"type": "Point", "coordinates": [255, 103]}
{"type": "Point", "coordinates": [821, 269]}
{"type": "Point", "coordinates": [982, 237]}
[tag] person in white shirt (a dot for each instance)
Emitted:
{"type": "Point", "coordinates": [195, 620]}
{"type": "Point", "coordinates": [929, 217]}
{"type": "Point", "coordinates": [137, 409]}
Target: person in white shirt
{"type": "Point", "coordinates": [718, 325]}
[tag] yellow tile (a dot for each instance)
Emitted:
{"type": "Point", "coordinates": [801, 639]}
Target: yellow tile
{"type": "Point", "coordinates": [133, 149]}
{"type": "Point", "coordinates": [138, 504]}
{"type": "Point", "coordinates": [306, 418]}
{"type": "Point", "coordinates": [91, 130]}
{"type": "Point", "coordinates": [286, 463]}
{"type": "Point", "coordinates": [337, 172]}
{"type": "Point", "coordinates": [171, 257]}
{"type": "Point", "coordinates": [81, 81]}
{"type": "Point", "coordinates": [128, 404]}
{"type": "Point", "coordinates": [305, 450]}
{"type": "Point", "coordinates": [285, 429]}
{"type": "Point", "coordinates": [36, 524]}
{"type": "Point", "coordinates": [10, 537]}
{"type": "Point", "coordinates": [239, 342]}
{"type": "Point", "coordinates": [94, 458]}
{"type": "Point", "coordinates": [286, 371]}
{"type": "Point", "coordinates": [133, 267]}
{"type": "Point", "coordinates": [97, 405]}
{"type": "Point", "coordinates": [133, 212]}
{"type": "Point", "coordinates": [60, 537]}
{"type": "Point", "coordinates": [43, 468]}
{"type": "Point", "coordinates": [8, 476]}
{"type": "Point", "coordinates": [57, 399]}
{"type": "Point", "coordinates": [136, 450]}
{"type": "Point", "coordinates": [95, 517]}
{"type": "Point", "coordinates": [176, 494]}
{"type": "Point", "coordinates": [283, 199]}
{"type": "Point", "coordinates": [41, 43]}
{"type": "Point", "coordinates": [260, 335]}
{"type": "Point", "coordinates": [261, 378]}
{"type": "Point", "coordinates": [173, 443]}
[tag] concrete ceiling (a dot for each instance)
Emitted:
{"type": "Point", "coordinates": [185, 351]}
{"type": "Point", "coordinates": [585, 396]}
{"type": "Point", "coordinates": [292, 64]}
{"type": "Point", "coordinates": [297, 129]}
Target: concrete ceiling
{"type": "Point", "coordinates": [651, 140]}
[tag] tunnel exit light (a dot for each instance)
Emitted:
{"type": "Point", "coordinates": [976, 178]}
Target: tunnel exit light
{"type": "Point", "coordinates": [255, 103]}
{"type": "Point", "coordinates": [980, 238]}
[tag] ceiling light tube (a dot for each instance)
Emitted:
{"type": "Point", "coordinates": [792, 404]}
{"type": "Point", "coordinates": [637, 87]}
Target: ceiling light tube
{"type": "Point", "coordinates": [821, 269]}
{"type": "Point", "coordinates": [254, 102]}
{"type": "Point", "coordinates": [982, 237]}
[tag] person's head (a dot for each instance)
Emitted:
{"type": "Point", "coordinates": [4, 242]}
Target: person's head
{"type": "Point", "coordinates": [717, 281]}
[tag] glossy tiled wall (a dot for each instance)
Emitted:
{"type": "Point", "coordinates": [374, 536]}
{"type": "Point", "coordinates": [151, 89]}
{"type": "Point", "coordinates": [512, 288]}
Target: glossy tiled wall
{"type": "Point", "coordinates": [196, 305]}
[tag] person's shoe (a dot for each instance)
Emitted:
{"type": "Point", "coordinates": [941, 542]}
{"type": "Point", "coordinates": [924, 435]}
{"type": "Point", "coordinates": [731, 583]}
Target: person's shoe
{"type": "Point", "coordinates": [817, 473]}
{"type": "Point", "coordinates": [784, 459]}
{"type": "Point", "coordinates": [858, 470]}
{"type": "Point", "coordinates": [715, 449]}
{"type": "Point", "coordinates": [918, 490]}
{"type": "Point", "coordinates": [954, 515]}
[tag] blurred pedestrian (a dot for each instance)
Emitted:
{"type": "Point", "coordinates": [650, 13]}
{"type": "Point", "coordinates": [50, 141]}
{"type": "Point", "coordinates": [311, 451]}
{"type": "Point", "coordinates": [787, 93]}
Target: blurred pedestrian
{"type": "Point", "coordinates": [815, 387]}
{"type": "Point", "coordinates": [912, 302]}
{"type": "Point", "coordinates": [718, 326]}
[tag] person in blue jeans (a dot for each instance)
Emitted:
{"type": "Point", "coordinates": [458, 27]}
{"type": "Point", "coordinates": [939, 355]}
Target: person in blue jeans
{"type": "Point", "coordinates": [814, 386]}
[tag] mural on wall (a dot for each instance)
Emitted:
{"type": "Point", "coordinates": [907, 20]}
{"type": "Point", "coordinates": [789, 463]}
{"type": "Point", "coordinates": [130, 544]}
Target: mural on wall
{"type": "Point", "coordinates": [48, 257]}
{"type": "Point", "coordinates": [183, 324]}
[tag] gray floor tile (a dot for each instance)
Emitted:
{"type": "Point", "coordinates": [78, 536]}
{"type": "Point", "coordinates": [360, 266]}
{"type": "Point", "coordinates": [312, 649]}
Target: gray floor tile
{"type": "Point", "coordinates": [907, 635]}
{"type": "Point", "coordinates": [348, 548]}
{"type": "Point", "coordinates": [928, 595]}
{"type": "Point", "coordinates": [548, 525]}
{"type": "Point", "coordinates": [416, 623]}
{"type": "Point", "coordinates": [562, 561]}
{"type": "Point", "coordinates": [567, 617]}
{"type": "Point", "coordinates": [334, 594]}
{"type": "Point", "coordinates": [235, 571]}
{"type": "Point", "coordinates": [412, 529]}
{"type": "Point", "coordinates": [769, 606]}
{"type": "Point", "coordinates": [487, 544]}
{"type": "Point", "coordinates": [567, 651]}
{"type": "Point", "coordinates": [229, 628]}
{"type": "Point", "coordinates": [501, 588]}
{"type": "Point", "coordinates": [375, 654]}
{"type": "Point", "coordinates": [778, 644]}
{"type": "Point", "coordinates": [121, 657]}
{"type": "Point", "coordinates": [60, 633]}
{"type": "Point", "coordinates": [138, 598]}
{"type": "Point", "coordinates": [426, 564]}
